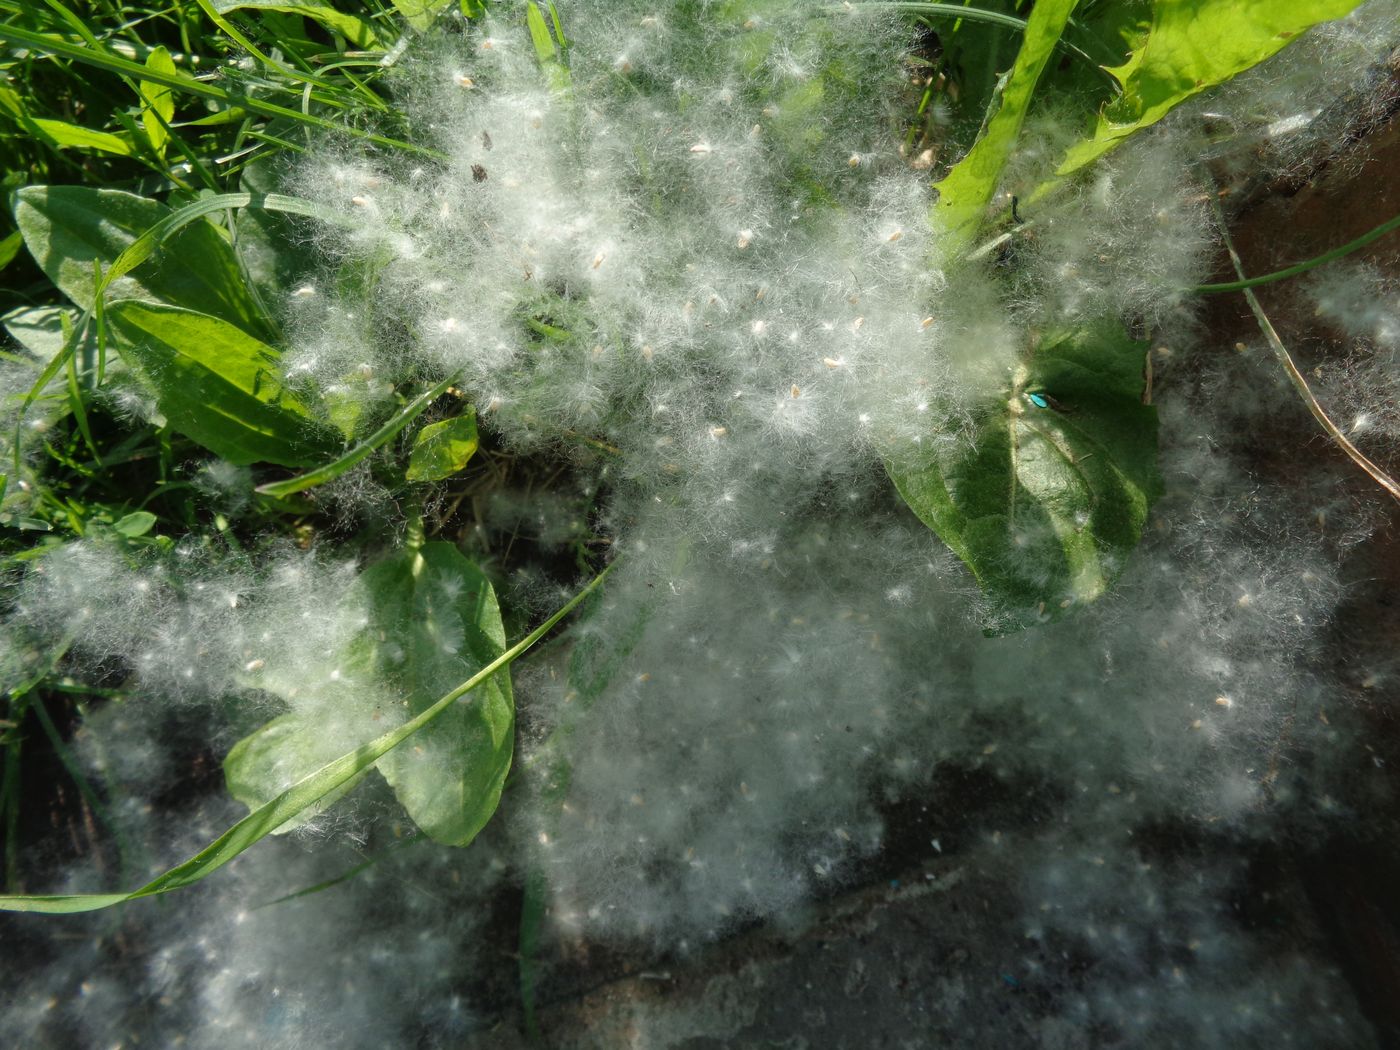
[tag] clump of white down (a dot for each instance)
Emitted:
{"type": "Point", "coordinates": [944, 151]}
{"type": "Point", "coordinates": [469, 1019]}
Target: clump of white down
{"type": "Point", "coordinates": [710, 255]}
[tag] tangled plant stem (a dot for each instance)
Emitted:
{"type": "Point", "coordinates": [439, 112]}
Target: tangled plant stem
{"type": "Point", "coordinates": [1295, 376]}
{"type": "Point", "coordinates": [1303, 267]}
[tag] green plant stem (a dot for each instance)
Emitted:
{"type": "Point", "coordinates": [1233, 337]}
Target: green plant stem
{"type": "Point", "coordinates": [1303, 267]}
{"type": "Point", "coordinates": [1295, 375]}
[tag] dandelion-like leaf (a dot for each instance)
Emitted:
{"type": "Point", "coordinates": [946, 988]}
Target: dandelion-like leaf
{"type": "Point", "coordinates": [1048, 504]}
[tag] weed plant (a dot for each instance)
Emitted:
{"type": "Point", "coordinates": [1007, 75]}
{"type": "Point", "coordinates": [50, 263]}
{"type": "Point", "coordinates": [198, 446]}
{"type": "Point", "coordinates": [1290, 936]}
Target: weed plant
{"type": "Point", "coordinates": [837, 370]}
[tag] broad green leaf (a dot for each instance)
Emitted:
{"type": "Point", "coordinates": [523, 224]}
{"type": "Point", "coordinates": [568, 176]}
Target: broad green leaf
{"type": "Point", "coordinates": [964, 194]}
{"type": "Point", "coordinates": [433, 618]}
{"type": "Point", "coordinates": [155, 237]}
{"type": "Point", "coordinates": [135, 524]}
{"type": "Point", "coordinates": [1194, 45]}
{"type": "Point", "coordinates": [40, 329]}
{"type": "Point", "coordinates": [419, 14]}
{"type": "Point", "coordinates": [442, 449]}
{"type": "Point", "coordinates": [68, 228]}
{"type": "Point", "coordinates": [1046, 506]}
{"type": "Point", "coordinates": [441, 611]}
{"type": "Point", "coordinates": [355, 30]}
{"type": "Point", "coordinates": [44, 330]}
{"type": "Point", "coordinates": [159, 99]}
{"type": "Point", "coordinates": [59, 133]}
{"type": "Point", "coordinates": [287, 805]}
{"type": "Point", "coordinates": [64, 135]}
{"type": "Point", "coordinates": [218, 385]}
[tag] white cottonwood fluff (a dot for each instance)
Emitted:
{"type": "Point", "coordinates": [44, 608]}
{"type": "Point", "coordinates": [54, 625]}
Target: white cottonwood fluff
{"type": "Point", "coordinates": [754, 309]}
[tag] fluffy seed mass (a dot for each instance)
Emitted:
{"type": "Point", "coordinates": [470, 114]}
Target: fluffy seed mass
{"type": "Point", "coordinates": [707, 254]}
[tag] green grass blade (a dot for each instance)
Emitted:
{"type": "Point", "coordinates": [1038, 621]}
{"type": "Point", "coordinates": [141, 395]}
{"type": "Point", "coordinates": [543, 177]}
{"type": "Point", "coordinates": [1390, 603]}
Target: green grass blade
{"type": "Point", "coordinates": [9, 248]}
{"type": "Point", "coordinates": [558, 28]}
{"type": "Point", "coordinates": [74, 770]}
{"type": "Point", "coordinates": [333, 470]}
{"type": "Point", "coordinates": [78, 404]}
{"type": "Point", "coordinates": [316, 85]}
{"type": "Point", "coordinates": [545, 50]}
{"type": "Point", "coordinates": [73, 231]}
{"type": "Point", "coordinates": [347, 874]}
{"type": "Point", "coordinates": [114, 64]}
{"type": "Point", "coordinates": [356, 30]}
{"type": "Point", "coordinates": [970, 14]}
{"type": "Point", "coordinates": [260, 823]}
{"type": "Point", "coordinates": [9, 791]}
{"type": "Point", "coordinates": [539, 34]}
{"type": "Point", "coordinates": [56, 363]}
{"type": "Point", "coordinates": [967, 190]}
{"type": "Point", "coordinates": [62, 135]}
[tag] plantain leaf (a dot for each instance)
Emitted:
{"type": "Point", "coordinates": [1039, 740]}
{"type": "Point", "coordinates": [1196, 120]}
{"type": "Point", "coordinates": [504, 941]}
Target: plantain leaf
{"type": "Point", "coordinates": [67, 228]}
{"type": "Point", "coordinates": [308, 791]}
{"type": "Point", "coordinates": [40, 330]}
{"type": "Point", "coordinates": [1049, 502]}
{"type": "Point", "coordinates": [135, 524]}
{"type": "Point", "coordinates": [433, 619]}
{"type": "Point", "coordinates": [1194, 45]}
{"type": "Point", "coordinates": [442, 611]}
{"type": "Point", "coordinates": [964, 194]}
{"type": "Point", "coordinates": [218, 385]}
{"type": "Point", "coordinates": [442, 449]}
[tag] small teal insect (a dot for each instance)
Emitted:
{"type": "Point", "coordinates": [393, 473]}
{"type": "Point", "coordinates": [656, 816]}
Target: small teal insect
{"type": "Point", "coordinates": [1043, 400]}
